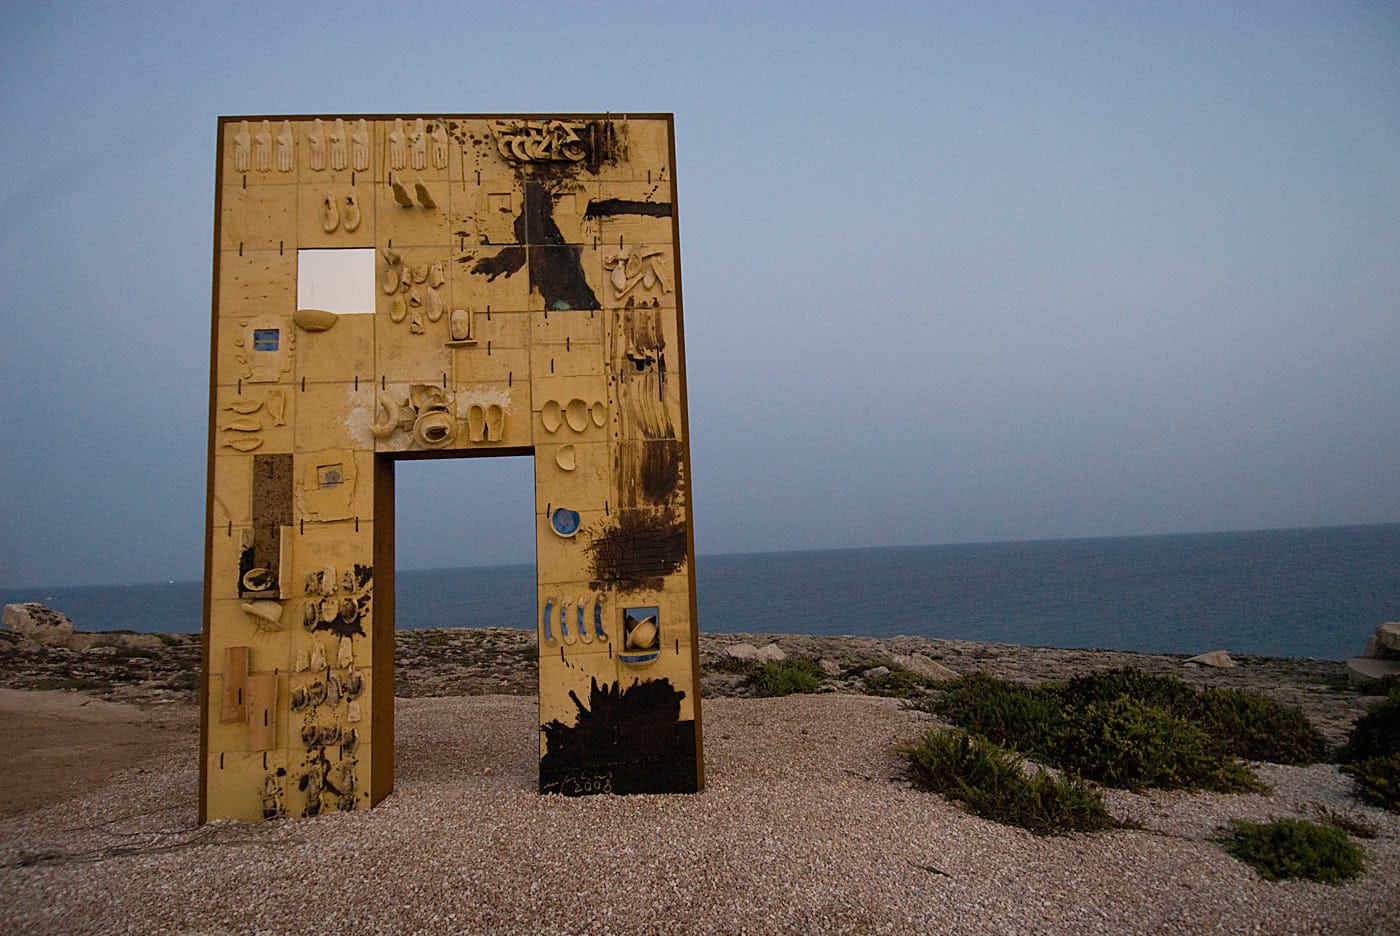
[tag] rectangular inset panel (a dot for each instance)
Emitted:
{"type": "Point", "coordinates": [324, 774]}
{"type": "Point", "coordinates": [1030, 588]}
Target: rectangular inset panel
{"type": "Point", "coordinates": [260, 567]}
{"type": "Point", "coordinates": [235, 704]}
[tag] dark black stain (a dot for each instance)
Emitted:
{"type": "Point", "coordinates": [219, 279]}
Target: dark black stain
{"type": "Point", "coordinates": [661, 470]}
{"type": "Point", "coordinates": [555, 268]}
{"type": "Point", "coordinates": [611, 207]}
{"type": "Point", "coordinates": [347, 622]}
{"type": "Point", "coordinates": [639, 547]}
{"type": "Point", "coordinates": [624, 741]}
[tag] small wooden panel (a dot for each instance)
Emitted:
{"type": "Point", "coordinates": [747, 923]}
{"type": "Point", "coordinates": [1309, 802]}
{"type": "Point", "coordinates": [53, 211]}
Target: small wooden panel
{"type": "Point", "coordinates": [262, 711]}
{"type": "Point", "coordinates": [235, 703]}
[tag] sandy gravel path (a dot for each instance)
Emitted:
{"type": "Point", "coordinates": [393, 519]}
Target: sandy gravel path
{"type": "Point", "coordinates": [805, 827]}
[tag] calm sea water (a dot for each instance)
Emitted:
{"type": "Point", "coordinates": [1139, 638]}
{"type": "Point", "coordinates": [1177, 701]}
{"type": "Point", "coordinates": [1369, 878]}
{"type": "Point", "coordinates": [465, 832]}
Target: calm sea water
{"type": "Point", "coordinates": [1315, 593]}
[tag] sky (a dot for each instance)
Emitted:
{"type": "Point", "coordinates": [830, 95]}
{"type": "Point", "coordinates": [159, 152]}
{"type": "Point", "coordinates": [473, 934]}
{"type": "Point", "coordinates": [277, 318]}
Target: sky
{"type": "Point", "coordinates": [951, 272]}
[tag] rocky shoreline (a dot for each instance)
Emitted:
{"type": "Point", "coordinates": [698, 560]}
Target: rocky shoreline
{"type": "Point", "coordinates": [164, 668]}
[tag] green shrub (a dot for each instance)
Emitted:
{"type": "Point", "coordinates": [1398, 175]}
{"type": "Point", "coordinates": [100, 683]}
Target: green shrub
{"type": "Point", "coordinates": [1295, 848]}
{"type": "Point", "coordinates": [1165, 692]}
{"type": "Point", "coordinates": [1377, 780]}
{"type": "Point", "coordinates": [1376, 734]}
{"type": "Point", "coordinates": [785, 677]}
{"type": "Point", "coordinates": [1131, 744]}
{"type": "Point", "coordinates": [1256, 728]}
{"type": "Point", "coordinates": [1010, 714]}
{"type": "Point", "coordinates": [992, 782]}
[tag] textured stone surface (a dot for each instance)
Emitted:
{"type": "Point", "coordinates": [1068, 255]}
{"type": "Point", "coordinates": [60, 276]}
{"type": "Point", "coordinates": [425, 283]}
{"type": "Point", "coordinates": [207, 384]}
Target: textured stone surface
{"type": "Point", "coordinates": [38, 622]}
{"type": "Point", "coordinates": [925, 666]}
{"type": "Point", "coordinates": [1361, 670]}
{"type": "Point", "coordinates": [1217, 658]}
{"type": "Point", "coordinates": [1389, 636]}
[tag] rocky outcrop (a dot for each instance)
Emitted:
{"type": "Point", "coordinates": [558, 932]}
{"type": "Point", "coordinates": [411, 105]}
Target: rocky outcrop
{"type": "Point", "coordinates": [39, 623]}
{"type": "Point", "coordinates": [925, 666]}
{"type": "Point", "coordinates": [1217, 658]}
{"type": "Point", "coordinates": [1381, 657]}
{"type": "Point", "coordinates": [772, 653]}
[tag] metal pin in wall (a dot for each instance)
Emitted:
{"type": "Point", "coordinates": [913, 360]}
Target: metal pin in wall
{"type": "Point", "coordinates": [240, 386]}
{"type": "Point", "coordinates": [609, 651]}
{"type": "Point", "coordinates": [605, 508]}
{"type": "Point", "coordinates": [561, 656]}
{"type": "Point", "coordinates": [357, 524]}
{"type": "Point", "coordinates": [230, 528]}
{"type": "Point", "coordinates": [381, 381]}
{"type": "Point", "coordinates": [444, 379]}
{"type": "Point", "coordinates": [551, 365]}
{"type": "Point", "coordinates": [510, 378]}
{"type": "Point", "coordinates": [566, 344]}
{"type": "Point", "coordinates": [548, 508]}
{"type": "Point", "coordinates": [221, 761]}
{"type": "Point", "coordinates": [279, 248]}
{"type": "Point", "coordinates": [488, 347]}
{"type": "Point", "coordinates": [488, 313]}
{"type": "Point", "coordinates": [303, 385]}
{"type": "Point", "coordinates": [478, 177]}
{"type": "Point", "coordinates": [352, 178]}
{"type": "Point", "coordinates": [245, 180]}
{"type": "Point", "coordinates": [240, 248]}
{"type": "Point", "coordinates": [678, 646]}
{"type": "Point", "coordinates": [303, 526]}
{"type": "Point", "coordinates": [648, 177]}
{"type": "Point", "coordinates": [391, 242]}
{"type": "Point", "coordinates": [357, 381]}
{"type": "Point", "coordinates": [264, 760]}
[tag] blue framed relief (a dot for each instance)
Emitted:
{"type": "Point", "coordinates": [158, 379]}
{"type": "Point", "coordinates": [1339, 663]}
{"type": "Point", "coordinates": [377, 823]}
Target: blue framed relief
{"type": "Point", "coordinates": [564, 521]}
{"type": "Point", "coordinates": [265, 339]}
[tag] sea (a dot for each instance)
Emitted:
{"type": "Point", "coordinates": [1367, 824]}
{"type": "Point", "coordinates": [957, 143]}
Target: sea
{"type": "Point", "coordinates": [1295, 593]}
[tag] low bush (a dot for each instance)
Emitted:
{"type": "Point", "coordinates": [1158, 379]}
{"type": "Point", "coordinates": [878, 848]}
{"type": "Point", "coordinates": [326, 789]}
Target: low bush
{"type": "Point", "coordinates": [1375, 734]}
{"type": "Point", "coordinates": [1256, 728]}
{"type": "Point", "coordinates": [1295, 848]}
{"type": "Point", "coordinates": [992, 781]}
{"type": "Point", "coordinates": [1377, 780]}
{"type": "Point", "coordinates": [786, 677]}
{"type": "Point", "coordinates": [1010, 714]}
{"type": "Point", "coordinates": [1134, 745]}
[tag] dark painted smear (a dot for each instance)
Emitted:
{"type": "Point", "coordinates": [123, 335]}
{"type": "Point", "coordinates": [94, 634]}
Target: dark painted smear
{"type": "Point", "coordinates": [612, 207]}
{"type": "Point", "coordinates": [661, 470]}
{"type": "Point", "coordinates": [272, 510]}
{"type": "Point", "coordinates": [638, 547]}
{"type": "Point", "coordinates": [555, 268]}
{"type": "Point", "coordinates": [624, 741]}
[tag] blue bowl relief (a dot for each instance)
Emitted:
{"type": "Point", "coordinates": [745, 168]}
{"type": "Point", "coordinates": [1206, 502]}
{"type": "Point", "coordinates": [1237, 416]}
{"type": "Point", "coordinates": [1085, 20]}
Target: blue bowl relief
{"type": "Point", "coordinates": [564, 521]}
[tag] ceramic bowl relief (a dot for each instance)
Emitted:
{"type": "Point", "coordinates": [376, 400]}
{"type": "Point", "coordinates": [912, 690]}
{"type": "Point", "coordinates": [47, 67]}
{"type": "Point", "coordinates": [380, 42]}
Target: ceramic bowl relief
{"type": "Point", "coordinates": [577, 415]}
{"type": "Point", "coordinates": [551, 416]}
{"type": "Point", "coordinates": [564, 521]}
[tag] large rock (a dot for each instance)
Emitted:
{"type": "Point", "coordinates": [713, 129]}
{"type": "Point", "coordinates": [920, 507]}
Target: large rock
{"type": "Point", "coordinates": [39, 623]}
{"type": "Point", "coordinates": [1361, 670]}
{"type": "Point", "coordinates": [1388, 635]}
{"type": "Point", "coordinates": [925, 666]}
{"type": "Point", "coordinates": [751, 654]}
{"type": "Point", "coordinates": [1216, 658]}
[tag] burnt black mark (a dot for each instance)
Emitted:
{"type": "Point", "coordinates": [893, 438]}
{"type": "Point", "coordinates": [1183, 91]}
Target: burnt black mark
{"type": "Point", "coordinates": [661, 470]}
{"type": "Point", "coordinates": [624, 741]}
{"type": "Point", "coordinates": [638, 547]}
{"type": "Point", "coordinates": [612, 207]}
{"type": "Point", "coordinates": [555, 268]}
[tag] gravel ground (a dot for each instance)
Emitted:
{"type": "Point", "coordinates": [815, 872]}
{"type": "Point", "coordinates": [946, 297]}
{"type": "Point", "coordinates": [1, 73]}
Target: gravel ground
{"type": "Point", "coordinates": [806, 826]}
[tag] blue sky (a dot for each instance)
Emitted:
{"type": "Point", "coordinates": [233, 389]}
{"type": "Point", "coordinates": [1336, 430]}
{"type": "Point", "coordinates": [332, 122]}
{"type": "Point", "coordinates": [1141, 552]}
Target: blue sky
{"type": "Point", "coordinates": [951, 272]}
